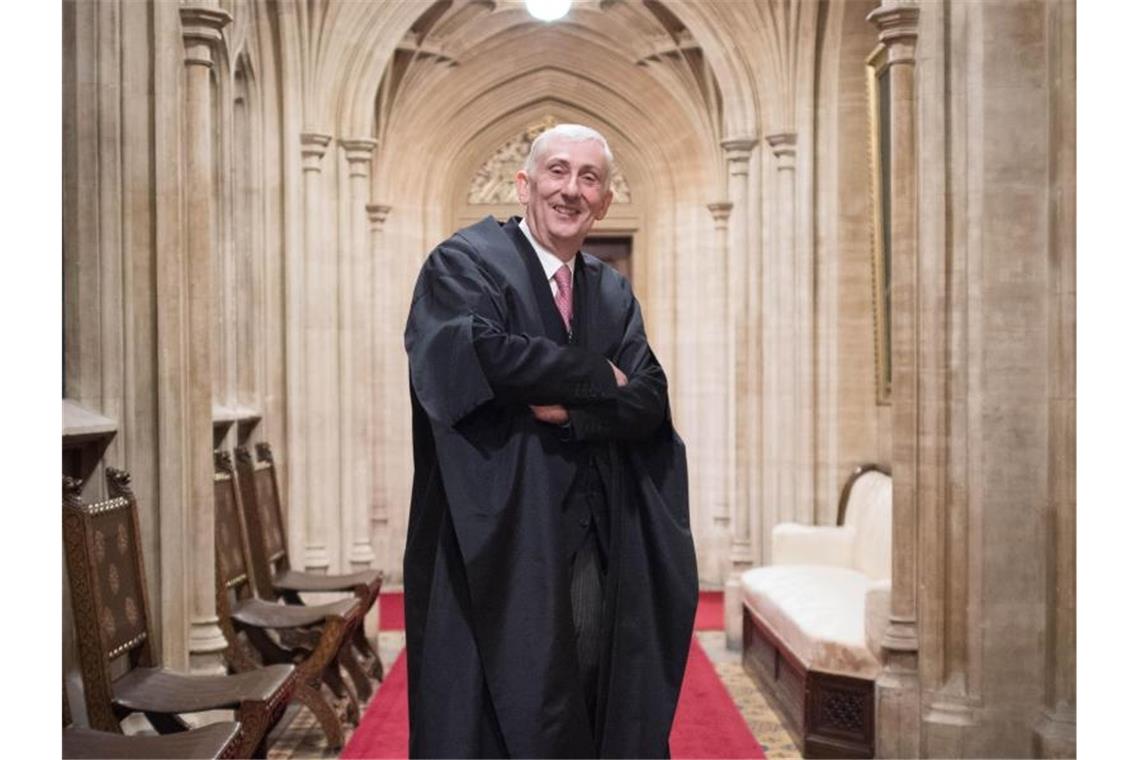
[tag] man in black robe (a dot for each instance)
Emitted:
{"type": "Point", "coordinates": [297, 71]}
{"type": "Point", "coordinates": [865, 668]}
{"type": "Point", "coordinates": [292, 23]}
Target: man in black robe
{"type": "Point", "coordinates": [549, 574]}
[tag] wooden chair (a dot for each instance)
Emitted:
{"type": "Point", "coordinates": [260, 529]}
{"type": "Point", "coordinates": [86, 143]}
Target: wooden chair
{"type": "Point", "coordinates": [217, 740]}
{"type": "Point", "coordinates": [273, 575]}
{"type": "Point", "coordinates": [260, 632]}
{"type": "Point", "coordinates": [121, 674]}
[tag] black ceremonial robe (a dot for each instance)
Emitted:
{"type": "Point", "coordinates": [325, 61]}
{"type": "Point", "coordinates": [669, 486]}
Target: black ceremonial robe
{"type": "Point", "coordinates": [492, 665]}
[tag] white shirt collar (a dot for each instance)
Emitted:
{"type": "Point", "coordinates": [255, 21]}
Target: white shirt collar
{"type": "Point", "coordinates": [550, 262]}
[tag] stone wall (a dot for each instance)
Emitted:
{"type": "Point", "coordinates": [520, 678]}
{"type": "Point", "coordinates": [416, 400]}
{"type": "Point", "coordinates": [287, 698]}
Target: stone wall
{"type": "Point", "coordinates": [983, 389]}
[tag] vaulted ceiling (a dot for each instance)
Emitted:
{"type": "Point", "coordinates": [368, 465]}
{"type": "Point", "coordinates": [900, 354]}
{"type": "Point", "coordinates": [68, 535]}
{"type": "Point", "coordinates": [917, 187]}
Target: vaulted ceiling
{"type": "Point", "coordinates": [467, 75]}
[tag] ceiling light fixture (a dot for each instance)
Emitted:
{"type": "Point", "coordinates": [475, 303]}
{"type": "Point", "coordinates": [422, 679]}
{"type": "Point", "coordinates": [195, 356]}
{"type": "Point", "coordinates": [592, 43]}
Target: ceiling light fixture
{"type": "Point", "coordinates": [548, 10]}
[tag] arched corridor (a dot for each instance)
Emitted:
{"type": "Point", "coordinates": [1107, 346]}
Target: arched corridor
{"type": "Point", "coordinates": [251, 186]}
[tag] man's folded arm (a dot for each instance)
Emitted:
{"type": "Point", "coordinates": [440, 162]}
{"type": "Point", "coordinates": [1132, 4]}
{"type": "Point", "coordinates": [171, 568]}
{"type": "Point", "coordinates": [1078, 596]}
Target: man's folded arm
{"type": "Point", "coordinates": [642, 405]}
{"type": "Point", "coordinates": [635, 413]}
{"type": "Point", "coordinates": [461, 357]}
{"type": "Point", "coordinates": [536, 370]}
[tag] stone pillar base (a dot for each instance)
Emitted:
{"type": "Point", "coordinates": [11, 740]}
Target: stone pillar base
{"type": "Point", "coordinates": [317, 560]}
{"type": "Point", "coordinates": [897, 713]}
{"type": "Point", "coordinates": [947, 728]}
{"type": "Point", "coordinates": [733, 617]}
{"type": "Point", "coordinates": [206, 646]}
{"type": "Point", "coordinates": [361, 556]}
{"type": "Point", "coordinates": [1055, 733]}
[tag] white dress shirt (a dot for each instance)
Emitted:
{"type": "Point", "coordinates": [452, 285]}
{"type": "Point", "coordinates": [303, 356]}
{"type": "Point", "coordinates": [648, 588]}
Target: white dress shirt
{"type": "Point", "coordinates": [550, 262]}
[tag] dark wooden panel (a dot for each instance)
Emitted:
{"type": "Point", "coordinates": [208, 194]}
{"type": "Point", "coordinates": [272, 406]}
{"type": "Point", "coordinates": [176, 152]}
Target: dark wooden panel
{"type": "Point", "coordinates": [827, 715]}
{"type": "Point", "coordinates": [615, 250]}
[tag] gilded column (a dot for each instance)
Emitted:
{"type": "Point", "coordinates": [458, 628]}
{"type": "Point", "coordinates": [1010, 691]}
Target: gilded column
{"type": "Point", "coordinates": [356, 356]}
{"type": "Point", "coordinates": [320, 338]}
{"type": "Point", "coordinates": [380, 279]}
{"type": "Point", "coordinates": [201, 33]}
{"type": "Point", "coordinates": [738, 153]}
{"type": "Point", "coordinates": [897, 689]}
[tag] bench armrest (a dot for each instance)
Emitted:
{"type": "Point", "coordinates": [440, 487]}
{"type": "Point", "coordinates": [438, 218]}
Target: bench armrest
{"type": "Point", "coordinates": [795, 544]}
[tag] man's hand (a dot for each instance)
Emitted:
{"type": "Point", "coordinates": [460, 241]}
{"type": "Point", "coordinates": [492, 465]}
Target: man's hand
{"type": "Point", "coordinates": [554, 414]}
{"type": "Point", "coordinates": [619, 376]}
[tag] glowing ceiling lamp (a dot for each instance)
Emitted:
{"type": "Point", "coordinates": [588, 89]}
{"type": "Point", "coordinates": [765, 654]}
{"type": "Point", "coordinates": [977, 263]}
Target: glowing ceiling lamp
{"type": "Point", "coordinates": [548, 10]}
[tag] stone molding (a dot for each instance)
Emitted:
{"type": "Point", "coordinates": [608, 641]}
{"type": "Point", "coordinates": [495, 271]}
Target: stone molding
{"type": "Point", "coordinates": [313, 147]}
{"type": "Point", "coordinates": [738, 152]}
{"type": "Point", "coordinates": [201, 31]}
{"type": "Point", "coordinates": [783, 145]}
{"type": "Point", "coordinates": [720, 212]}
{"type": "Point", "coordinates": [377, 214]}
{"type": "Point", "coordinates": [358, 152]}
{"type": "Point", "coordinates": [897, 22]}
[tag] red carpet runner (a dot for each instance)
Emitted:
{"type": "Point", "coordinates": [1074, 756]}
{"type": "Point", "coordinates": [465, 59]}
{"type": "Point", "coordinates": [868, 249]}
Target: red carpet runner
{"type": "Point", "coordinates": [707, 724]}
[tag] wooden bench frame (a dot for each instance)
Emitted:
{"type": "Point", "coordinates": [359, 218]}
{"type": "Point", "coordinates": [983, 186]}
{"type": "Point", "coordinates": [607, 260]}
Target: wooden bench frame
{"type": "Point", "coordinates": [828, 715]}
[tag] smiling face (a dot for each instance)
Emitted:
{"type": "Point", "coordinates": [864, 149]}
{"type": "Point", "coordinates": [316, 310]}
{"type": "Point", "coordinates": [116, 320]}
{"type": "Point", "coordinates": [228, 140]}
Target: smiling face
{"type": "Point", "coordinates": [566, 195]}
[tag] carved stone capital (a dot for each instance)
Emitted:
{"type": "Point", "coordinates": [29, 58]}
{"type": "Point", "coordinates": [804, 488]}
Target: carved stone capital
{"type": "Point", "coordinates": [201, 31]}
{"type": "Point", "coordinates": [720, 211]}
{"type": "Point", "coordinates": [783, 146]}
{"type": "Point", "coordinates": [897, 22]}
{"type": "Point", "coordinates": [741, 555]}
{"type": "Point", "coordinates": [738, 150]}
{"type": "Point", "coordinates": [313, 146]}
{"type": "Point", "coordinates": [901, 635]}
{"type": "Point", "coordinates": [781, 142]}
{"type": "Point", "coordinates": [377, 214]}
{"type": "Point", "coordinates": [358, 152]}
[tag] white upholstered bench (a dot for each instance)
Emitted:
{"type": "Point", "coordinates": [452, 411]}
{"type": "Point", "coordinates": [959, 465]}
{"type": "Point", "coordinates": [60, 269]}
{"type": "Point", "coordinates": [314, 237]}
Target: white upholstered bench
{"type": "Point", "coordinates": [814, 620]}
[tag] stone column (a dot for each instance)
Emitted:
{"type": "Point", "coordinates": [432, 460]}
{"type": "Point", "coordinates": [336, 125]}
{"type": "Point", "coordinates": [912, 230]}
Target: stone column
{"type": "Point", "coordinates": [738, 153]}
{"type": "Point", "coordinates": [201, 32]}
{"type": "Point", "coordinates": [712, 368]}
{"type": "Point", "coordinates": [320, 338]}
{"type": "Point", "coordinates": [1055, 734]}
{"type": "Point", "coordinates": [948, 548]}
{"type": "Point", "coordinates": [897, 693]}
{"type": "Point", "coordinates": [381, 347]}
{"type": "Point", "coordinates": [358, 377]}
{"type": "Point", "coordinates": [800, 253]}
{"type": "Point", "coordinates": [720, 212]}
{"type": "Point", "coordinates": [788, 375]}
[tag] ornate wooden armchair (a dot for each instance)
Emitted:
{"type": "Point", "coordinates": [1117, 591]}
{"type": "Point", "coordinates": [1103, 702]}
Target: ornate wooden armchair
{"type": "Point", "coordinates": [217, 740]}
{"type": "Point", "coordinates": [260, 632]}
{"type": "Point", "coordinates": [121, 674]}
{"type": "Point", "coordinates": [274, 577]}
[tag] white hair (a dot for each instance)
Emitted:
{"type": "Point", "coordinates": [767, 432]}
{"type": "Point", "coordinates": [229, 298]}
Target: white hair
{"type": "Point", "coordinates": [573, 133]}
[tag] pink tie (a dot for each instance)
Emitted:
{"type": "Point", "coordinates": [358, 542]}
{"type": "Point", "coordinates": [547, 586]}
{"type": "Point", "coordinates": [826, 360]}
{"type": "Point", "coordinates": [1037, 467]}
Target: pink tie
{"type": "Point", "coordinates": [564, 299]}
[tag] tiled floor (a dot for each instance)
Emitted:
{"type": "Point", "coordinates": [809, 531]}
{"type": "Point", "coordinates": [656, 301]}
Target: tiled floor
{"type": "Point", "coordinates": [302, 738]}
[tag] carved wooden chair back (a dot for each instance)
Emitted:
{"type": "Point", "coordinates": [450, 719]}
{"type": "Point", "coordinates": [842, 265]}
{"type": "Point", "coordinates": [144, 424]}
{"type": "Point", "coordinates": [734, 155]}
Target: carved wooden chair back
{"type": "Point", "coordinates": [232, 580]}
{"type": "Point", "coordinates": [264, 515]}
{"type": "Point", "coordinates": [108, 591]}
{"type": "Point", "coordinates": [231, 547]}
